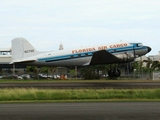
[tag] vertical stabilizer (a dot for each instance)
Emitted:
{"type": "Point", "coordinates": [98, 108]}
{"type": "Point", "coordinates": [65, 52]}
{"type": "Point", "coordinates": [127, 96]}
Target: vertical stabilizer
{"type": "Point", "coordinates": [21, 49]}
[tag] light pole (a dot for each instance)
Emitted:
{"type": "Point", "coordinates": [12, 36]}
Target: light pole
{"type": "Point", "coordinates": [134, 73]}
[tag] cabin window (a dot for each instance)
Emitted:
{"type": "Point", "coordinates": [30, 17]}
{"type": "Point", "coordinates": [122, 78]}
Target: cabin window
{"type": "Point", "coordinates": [83, 55]}
{"type": "Point", "coordinates": [113, 50]}
{"type": "Point", "coordinates": [139, 45]}
{"type": "Point", "coordinates": [90, 54]}
{"type": "Point", "coordinates": [75, 55]}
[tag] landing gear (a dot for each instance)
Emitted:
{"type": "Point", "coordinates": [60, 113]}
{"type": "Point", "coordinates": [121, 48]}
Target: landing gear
{"type": "Point", "coordinates": [114, 73]}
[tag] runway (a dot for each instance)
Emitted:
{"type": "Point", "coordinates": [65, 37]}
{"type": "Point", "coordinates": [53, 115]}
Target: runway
{"type": "Point", "coordinates": [81, 111]}
{"type": "Point", "coordinates": [78, 85]}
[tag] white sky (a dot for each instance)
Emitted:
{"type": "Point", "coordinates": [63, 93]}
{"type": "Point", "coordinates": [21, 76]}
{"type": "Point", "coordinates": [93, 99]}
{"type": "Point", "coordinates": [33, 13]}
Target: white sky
{"type": "Point", "coordinates": [75, 23]}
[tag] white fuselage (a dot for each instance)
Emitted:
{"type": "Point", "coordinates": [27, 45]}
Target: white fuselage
{"type": "Point", "coordinates": [83, 56]}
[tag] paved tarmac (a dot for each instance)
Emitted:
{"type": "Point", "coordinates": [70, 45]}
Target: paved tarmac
{"type": "Point", "coordinates": [81, 111]}
{"type": "Point", "coordinates": [74, 85]}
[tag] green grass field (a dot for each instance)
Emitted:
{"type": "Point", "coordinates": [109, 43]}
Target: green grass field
{"type": "Point", "coordinates": [51, 95]}
{"type": "Point", "coordinates": [73, 95]}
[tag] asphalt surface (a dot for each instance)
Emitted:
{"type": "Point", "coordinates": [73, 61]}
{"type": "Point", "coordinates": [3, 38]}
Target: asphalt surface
{"type": "Point", "coordinates": [74, 85]}
{"type": "Point", "coordinates": [81, 111]}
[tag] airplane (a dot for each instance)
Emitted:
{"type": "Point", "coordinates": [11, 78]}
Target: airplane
{"type": "Point", "coordinates": [124, 52]}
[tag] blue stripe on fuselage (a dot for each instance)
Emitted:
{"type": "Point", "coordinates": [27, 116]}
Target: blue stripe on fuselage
{"type": "Point", "coordinates": [87, 54]}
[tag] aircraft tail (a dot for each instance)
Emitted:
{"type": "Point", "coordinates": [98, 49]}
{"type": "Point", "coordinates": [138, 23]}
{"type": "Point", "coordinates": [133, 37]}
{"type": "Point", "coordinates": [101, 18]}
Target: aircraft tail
{"type": "Point", "coordinates": [22, 49]}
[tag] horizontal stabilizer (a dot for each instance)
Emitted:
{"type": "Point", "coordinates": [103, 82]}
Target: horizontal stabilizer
{"type": "Point", "coordinates": [22, 61]}
{"type": "Point", "coordinates": [103, 57]}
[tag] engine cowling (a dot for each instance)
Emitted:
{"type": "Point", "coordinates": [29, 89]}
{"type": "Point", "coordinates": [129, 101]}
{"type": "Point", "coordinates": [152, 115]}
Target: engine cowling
{"type": "Point", "coordinates": [125, 57]}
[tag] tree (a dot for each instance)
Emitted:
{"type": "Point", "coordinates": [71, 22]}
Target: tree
{"type": "Point", "coordinates": [93, 72]}
{"type": "Point", "coordinates": [44, 70]}
{"type": "Point", "coordinates": [52, 70]}
{"type": "Point", "coordinates": [33, 70]}
{"type": "Point", "coordinates": [152, 65]}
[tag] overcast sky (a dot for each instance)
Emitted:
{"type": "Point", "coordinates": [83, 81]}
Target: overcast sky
{"type": "Point", "coordinates": [76, 23]}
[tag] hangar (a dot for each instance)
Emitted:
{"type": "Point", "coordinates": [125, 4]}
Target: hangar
{"type": "Point", "coordinates": [5, 58]}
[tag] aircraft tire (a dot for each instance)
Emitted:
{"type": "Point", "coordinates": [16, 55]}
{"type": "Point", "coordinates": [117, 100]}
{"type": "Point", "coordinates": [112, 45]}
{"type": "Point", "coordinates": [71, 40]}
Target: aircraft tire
{"type": "Point", "coordinates": [114, 73]}
{"type": "Point", "coordinates": [117, 72]}
{"type": "Point", "coordinates": [111, 73]}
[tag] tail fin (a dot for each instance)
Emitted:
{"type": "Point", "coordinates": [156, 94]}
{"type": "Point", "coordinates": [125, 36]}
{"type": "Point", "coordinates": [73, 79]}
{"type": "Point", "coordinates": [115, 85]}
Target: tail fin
{"type": "Point", "coordinates": [21, 49]}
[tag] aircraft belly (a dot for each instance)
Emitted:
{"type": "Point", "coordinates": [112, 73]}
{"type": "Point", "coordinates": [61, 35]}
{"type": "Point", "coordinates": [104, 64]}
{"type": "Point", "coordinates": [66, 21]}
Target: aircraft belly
{"type": "Point", "coordinates": [70, 62]}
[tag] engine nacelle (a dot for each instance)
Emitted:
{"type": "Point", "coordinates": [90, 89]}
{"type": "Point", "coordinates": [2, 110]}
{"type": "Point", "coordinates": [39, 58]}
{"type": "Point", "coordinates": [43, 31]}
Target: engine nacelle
{"type": "Point", "coordinates": [125, 57]}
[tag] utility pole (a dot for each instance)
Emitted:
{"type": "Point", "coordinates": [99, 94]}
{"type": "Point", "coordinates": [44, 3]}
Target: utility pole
{"type": "Point", "coordinates": [76, 71]}
{"type": "Point", "coordinates": [13, 69]}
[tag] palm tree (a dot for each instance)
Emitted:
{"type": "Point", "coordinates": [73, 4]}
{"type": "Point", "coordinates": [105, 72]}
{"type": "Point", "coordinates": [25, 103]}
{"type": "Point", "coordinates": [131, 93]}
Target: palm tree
{"type": "Point", "coordinates": [155, 65]}
{"type": "Point", "coordinates": [152, 65]}
{"type": "Point", "coordinates": [52, 70]}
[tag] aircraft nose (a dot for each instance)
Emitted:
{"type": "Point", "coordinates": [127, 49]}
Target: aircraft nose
{"type": "Point", "coordinates": [149, 49]}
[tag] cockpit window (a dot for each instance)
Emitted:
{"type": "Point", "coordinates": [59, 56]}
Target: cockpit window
{"type": "Point", "coordinates": [139, 45]}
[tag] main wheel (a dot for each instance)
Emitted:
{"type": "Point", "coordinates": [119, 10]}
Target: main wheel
{"type": "Point", "coordinates": [117, 72]}
{"type": "Point", "coordinates": [114, 73]}
{"type": "Point", "coordinates": [111, 73]}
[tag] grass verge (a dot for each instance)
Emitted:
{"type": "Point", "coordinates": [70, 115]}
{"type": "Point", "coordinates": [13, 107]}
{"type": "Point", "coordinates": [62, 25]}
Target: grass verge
{"type": "Point", "coordinates": [52, 95]}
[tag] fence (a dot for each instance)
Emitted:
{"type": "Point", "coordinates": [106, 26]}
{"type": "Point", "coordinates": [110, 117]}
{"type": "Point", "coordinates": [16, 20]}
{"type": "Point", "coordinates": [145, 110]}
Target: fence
{"type": "Point", "coordinates": [137, 75]}
{"type": "Point", "coordinates": [128, 76]}
{"type": "Point", "coordinates": [156, 75]}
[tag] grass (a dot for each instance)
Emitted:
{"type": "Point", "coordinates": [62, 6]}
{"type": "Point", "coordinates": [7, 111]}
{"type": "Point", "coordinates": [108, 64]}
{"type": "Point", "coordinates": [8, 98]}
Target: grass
{"type": "Point", "coordinates": [37, 95]}
{"type": "Point", "coordinates": [81, 95]}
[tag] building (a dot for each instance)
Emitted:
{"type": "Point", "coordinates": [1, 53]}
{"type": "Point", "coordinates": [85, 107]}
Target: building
{"type": "Point", "coordinates": [142, 58]}
{"type": "Point", "coordinates": [5, 58]}
{"type": "Point", "coordinates": [5, 55]}
{"type": "Point", "coordinates": [155, 57]}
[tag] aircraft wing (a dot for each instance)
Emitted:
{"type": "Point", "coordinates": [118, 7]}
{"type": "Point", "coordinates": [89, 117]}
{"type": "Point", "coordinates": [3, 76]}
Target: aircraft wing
{"type": "Point", "coordinates": [103, 57]}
